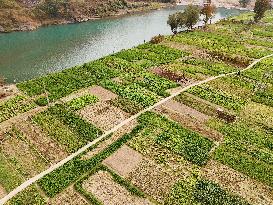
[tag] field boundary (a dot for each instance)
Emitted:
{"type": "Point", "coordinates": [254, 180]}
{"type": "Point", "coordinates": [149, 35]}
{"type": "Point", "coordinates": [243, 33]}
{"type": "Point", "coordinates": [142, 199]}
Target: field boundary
{"type": "Point", "coordinates": [70, 157]}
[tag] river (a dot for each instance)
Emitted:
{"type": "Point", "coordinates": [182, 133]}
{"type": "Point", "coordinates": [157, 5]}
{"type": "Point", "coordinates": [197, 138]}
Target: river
{"type": "Point", "coordinates": [25, 55]}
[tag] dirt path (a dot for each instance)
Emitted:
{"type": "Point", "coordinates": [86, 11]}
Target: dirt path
{"type": "Point", "coordinates": [56, 166]}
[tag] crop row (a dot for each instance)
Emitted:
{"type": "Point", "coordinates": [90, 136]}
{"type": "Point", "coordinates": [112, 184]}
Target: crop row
{"type": "Point", "coordinates": [66, 127]}
{"type": "Point", "coordinates": [151, 54]}
{"type": "Point", "coordinates": [151, 81]}
{"type": "Point", "coordinates": [220, 45]}
{"type": "Point", "coordinates": [30, 195]}
{"type": "Point", "coordinates": [200, 191]}
{"type": "Point", "coordinates": [247, 150]}
{"type": "Point", "coordinates": [191, 145]}
{"type": "Point", "coordinates": [81, 102]}
{"type": "Point", "coordinates": [218, 97]}
{"type": "Point", "coordinates": [15, 106]}
{"type": "Point", "coordinates": [133, 92]}
{"type": "Point", "coordinates": [60, 84]}
{"type": "Point", "coordinates": [127, 105]}
{"type": "Point", "coordinates": [56, 181]}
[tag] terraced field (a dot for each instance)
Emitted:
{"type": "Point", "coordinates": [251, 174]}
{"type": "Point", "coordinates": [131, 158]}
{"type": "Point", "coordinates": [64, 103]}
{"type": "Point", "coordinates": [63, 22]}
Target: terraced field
{"type": "Point", "coordinates": [148, 131]}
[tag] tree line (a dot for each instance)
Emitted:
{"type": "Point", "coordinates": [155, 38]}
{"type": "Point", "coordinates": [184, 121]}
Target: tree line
{"type": "Point", "coordinates": [192, 13]}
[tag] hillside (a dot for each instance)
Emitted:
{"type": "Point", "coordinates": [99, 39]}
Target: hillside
{"type": "Point", "coordinates": [188, 120]}
{"type": "Point", "coordinates": [21, 15]}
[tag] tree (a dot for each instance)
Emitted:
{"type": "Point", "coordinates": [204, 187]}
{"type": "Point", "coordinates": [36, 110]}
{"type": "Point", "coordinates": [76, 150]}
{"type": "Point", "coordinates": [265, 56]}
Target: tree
{"type": "Point", "coordinates": [208, 11]}
{"type": "Point", "coordinates": [173, 22]}
{"type": "Point", "coordinates": [190, 16]}
{"type": "Point", "coordinates": [261, 6]}
{"type": "Point", "coordinates": [244, 3]}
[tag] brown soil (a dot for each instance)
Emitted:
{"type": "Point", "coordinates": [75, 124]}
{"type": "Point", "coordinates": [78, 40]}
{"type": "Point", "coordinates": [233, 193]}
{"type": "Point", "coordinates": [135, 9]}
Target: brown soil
{"type": "Point", "coordinates": [174, 90]}
{"type": "Point", "coordinates": [185, 110]}
{"type": "Point", "coordinates": [2, 192]}
{"type": "Point", "coordinates": [125, 129]}
{"type": "Point", "coordinates": [44, 144]}
{"type": "Point", "coordinates": [124, 161]}
{"type": "Point", "coordinates": [106, 190]}
{"type": "Point", "coordinates": [68, 197]}
{"type": "Point", "coordinates": [7, 91]}
{"type": "Point", "coordinates": [102, 93]}
{"type": "Point", "coordinates": [189, 118]}
{"type": "Point", "coordinates": [181, 79]}
{"type": "Point", "coordinates": [153, 179]}
{"type": "Point", "coordinates": [103, 115]}
{"type": "Point", "coordinates": [253, 191]}
{"type": "Point", "coordinates": [191, 123]}
{"type": "Point", "coordinates": [195, 51]}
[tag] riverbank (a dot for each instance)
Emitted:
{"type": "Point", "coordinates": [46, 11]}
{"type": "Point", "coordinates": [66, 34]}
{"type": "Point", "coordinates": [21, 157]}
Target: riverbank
{"type": "Point", "coordinates": [30, 16]}
{"type": "Point", "coordinates": [221, 3]}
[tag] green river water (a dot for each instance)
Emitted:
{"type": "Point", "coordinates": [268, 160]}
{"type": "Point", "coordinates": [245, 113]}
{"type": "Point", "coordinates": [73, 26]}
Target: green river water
{"type": "Point", "coordinates": [25, 55]}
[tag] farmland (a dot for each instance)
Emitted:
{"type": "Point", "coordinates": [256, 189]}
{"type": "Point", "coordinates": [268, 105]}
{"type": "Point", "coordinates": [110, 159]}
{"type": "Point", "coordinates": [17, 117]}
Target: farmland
{"type": "Point", "coordinates": [178, 151]}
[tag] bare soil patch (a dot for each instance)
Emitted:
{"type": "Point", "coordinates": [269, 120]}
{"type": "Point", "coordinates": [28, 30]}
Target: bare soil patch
{"type": "Point", "coordinates": [105, 189]}
{"type": "Point", "coordinates": [68, 197]}
{"type": "Point", "coordinates": [153, 179]}
{"type": "Point", "coordinates": [174, 90]}
{"type": "Point", "coordinates": [181, 79]}
{"type": "Point", "coordinates": [118, 134]}
{"type": "Point", "coordinates": [50, 149]}
{"type": "Point", "coordinates": [2, 192]}
{"type": "Point", "coordinates": [189, 118]}
{"type": "Point", "coordinates": [103, 115]}
{"type": "Point", "coordinates": [185, 110]}
{"type": "Point", "coordinates": [124, 160]}
{"type": "Point", "coordinates": [191, 123]}
{"type": "Point", "coordinates": [195, 51]}
{"type": "Point", "coordinates": [7, 91]}
{"type": "Point", "coordinates": [254, 192]}
{"type": "Point", "coordinates": [102, 93]}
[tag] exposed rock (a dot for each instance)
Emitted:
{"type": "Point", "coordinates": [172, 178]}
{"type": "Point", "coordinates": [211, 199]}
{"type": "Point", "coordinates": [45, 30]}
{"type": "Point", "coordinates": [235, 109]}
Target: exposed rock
{"type": "Point", "coordinates": [2, 29]}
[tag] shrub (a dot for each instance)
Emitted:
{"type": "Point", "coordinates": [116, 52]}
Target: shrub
{"type": "Point", "coordinates": [157, 39]}
{"type": "Point", "coordinates": [42, 101]}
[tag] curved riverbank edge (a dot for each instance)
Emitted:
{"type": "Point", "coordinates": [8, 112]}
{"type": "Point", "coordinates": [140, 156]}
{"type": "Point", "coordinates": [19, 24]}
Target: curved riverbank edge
{"type": "Point", "coordinates": [120, 13]}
